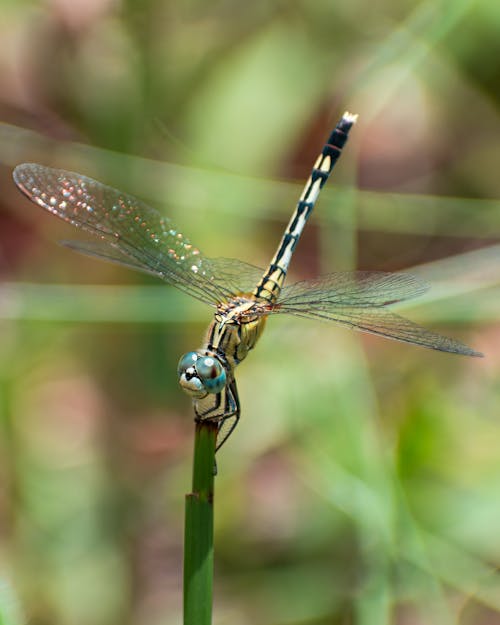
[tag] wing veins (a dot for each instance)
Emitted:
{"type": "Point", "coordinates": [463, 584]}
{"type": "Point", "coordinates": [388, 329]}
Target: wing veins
{"type": "Point", "coordinates": [117, 220]}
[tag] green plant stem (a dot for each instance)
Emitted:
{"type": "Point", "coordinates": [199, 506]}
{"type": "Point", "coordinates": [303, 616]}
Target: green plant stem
{"type": "Point", "coordinates": [198, 534]}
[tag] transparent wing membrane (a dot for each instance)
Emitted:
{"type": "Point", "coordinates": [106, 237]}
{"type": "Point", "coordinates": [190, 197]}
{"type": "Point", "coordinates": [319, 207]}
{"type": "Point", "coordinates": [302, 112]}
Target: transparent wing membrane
{"type": "Point", "coordinates": [131, 233]}
{"type": "Point", "coordinates": [234, 276]}
{"type": "Point", "coordinates": [358, 299]}
{"type": "Point", "coordinates": [229, 276]}
{"type": "Point", "coordinates": [108, 252]}
{"type": "Point", "coordinates": [382, 323]}
{"type": "Point", "coordinates": [354, 288]}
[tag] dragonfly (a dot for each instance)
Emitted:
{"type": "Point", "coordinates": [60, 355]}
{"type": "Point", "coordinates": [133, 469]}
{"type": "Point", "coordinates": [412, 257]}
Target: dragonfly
{"type": "Point", "coordinates": [132, 234]}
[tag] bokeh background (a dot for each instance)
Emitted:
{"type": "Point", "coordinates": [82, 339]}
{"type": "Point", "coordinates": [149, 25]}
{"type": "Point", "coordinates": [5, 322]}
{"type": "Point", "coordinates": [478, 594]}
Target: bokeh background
{"type": "Point", "coordinates": [362, 484]}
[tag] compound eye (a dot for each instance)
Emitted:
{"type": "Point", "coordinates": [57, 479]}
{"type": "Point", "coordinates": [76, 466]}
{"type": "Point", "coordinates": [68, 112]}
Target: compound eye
{"type": "Point", "coordinates": [186, 361]}
{"type": "Point", "coordinates": [211, 373]}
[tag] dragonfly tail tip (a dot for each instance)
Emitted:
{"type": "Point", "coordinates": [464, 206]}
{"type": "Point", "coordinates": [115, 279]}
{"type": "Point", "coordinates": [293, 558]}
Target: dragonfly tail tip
{"type": "Point", "coordinates": [351, 118]}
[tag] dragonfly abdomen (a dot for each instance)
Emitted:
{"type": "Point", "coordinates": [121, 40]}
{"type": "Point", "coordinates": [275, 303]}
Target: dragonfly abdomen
{"type": "Point", "coordinates": [272, 281]}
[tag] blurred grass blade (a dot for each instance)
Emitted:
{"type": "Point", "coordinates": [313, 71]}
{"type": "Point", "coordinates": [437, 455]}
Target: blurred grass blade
{"type": "Point", "coordinates": [10, 611]}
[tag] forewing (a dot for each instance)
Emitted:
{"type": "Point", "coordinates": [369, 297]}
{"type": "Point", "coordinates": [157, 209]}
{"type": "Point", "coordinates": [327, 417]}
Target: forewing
{"type": "Point", "coordinates": [130, 232]}
{"type": "Point", "coordinates": [358, 300]}
{"type": "Point", "coordinates": [104, 250]}
{"type": "Point", "coordinates": [234, 276]}
{"type": "Point", "coordinates": [363, 289]}
{"type": "Point", "coordinates": [229, 275]}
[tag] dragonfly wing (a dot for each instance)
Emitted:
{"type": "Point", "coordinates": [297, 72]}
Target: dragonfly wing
{"type": "Point", "coordinates": [353, 288]}
{"type": "Point", "coordinates": [130, 232]}
{"type": "Point", "coordinates": [235, 276]}
{"type": "Point", "coordinates": [358, 300]}
{"type": "Point", "coordinates": [232, 276]}
{"type": "Point", "coordinates": [389, 325]}
{"type": "Point", "coordinates": [106, 251]}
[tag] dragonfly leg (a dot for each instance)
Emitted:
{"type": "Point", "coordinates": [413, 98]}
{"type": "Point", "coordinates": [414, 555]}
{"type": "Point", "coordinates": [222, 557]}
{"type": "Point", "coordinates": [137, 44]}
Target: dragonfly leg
{"type": "Point", "coordinates": [231, 415]}
{"type": "Point", "coordinates": [224, 408]}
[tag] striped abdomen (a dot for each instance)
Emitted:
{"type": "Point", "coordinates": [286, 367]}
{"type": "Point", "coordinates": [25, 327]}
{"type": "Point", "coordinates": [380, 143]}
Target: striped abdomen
{"type": "Point", "coordinates": [272, 281]}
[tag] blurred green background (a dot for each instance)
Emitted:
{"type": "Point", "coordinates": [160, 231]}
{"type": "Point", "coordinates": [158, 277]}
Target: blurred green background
{"type": "Point", "coordinates": [362, 485]}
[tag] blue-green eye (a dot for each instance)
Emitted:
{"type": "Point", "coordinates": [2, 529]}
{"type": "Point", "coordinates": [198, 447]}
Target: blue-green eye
{"type": "Point", "coordinates": [186, 361]}
{"type": "Point", "coordinates": [211, 373]}
{"type": "Point", "coordinates": [199, 375]}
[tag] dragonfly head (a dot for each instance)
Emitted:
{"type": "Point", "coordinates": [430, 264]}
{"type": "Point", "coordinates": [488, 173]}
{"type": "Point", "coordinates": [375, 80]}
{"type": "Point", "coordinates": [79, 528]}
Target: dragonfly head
{"type": "Point", "coordinates": [200, 374]}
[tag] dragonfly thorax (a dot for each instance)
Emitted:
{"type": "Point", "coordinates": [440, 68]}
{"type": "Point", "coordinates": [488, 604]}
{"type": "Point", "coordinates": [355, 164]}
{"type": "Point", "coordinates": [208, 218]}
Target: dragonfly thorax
{"type": "Point", "coordinates": [236, 327]}
{"type": "Point", "coordinates": [240, 309]}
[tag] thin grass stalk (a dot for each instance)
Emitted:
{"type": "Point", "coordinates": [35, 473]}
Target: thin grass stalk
{"type": "Point", "coordinates": [198, 534]}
